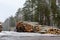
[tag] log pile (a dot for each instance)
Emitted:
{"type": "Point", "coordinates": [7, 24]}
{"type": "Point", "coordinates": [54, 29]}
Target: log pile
{"type": "Point", "coordinates": [0, 27]}
{"type": "Point", "coordinates": [20, 27]}
{"type": "Point", "coordinates": [24, 27]}
{"type": "Point", "coordinates": [30, 27]}
{"type": "Point", "coordinates": [37, 28]}
{"type": "Point", "coordinates": [53, 31]}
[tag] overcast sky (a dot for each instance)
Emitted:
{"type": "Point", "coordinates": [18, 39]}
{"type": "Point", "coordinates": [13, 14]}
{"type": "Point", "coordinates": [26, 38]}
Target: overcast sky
{"type": "Point", "coordinates": [9, 7]}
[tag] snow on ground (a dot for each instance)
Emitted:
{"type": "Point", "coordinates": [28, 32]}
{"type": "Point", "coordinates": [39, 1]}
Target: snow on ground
{"type": "Point", "coordinates": [10, 35]}
{"type": "Point", "coordinates": [24, 34]}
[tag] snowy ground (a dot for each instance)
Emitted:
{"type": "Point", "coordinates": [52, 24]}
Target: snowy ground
{"type": "Point", "coordinates": [10, 35]}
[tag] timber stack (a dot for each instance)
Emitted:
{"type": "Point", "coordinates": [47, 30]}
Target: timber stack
{"type": "Point", "coordinates": [0, 26]}
{"type": "Point", "coordinates": [36, 28]}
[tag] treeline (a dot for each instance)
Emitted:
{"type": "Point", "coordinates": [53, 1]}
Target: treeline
{"type": "Point", "coordinates": [46, 12]}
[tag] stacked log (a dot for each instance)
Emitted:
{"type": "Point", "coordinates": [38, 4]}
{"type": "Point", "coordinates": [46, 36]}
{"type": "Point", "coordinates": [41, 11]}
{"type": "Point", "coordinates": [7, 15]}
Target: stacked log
{"type": "Point", "coordinates": [0, 27]}
{"type": "Point", "coordinates": [28, 28]}
{"type": "Point", "coordinates": [53, 31]}
{"type": "Point", "coordinates": [37, 28]}
{"type": "Point", "coordinates": [24, 27]}
{"type": "Point", "coordinates": [20, 27]}
{"type": "Point", "coordinates": [31, 27]}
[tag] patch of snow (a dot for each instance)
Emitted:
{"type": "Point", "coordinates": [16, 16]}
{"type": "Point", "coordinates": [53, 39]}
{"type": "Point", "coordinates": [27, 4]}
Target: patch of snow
{"type": "Point", "coordinates": [12, 33]}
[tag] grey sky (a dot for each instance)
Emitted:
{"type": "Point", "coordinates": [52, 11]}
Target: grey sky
{"type": "Point", "coordinates": [9, 7]}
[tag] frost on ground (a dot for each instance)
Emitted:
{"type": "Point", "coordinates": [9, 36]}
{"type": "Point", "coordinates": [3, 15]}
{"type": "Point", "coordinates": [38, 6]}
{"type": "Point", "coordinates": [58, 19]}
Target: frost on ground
{"type": "Point", "coordinates": [10, 35]}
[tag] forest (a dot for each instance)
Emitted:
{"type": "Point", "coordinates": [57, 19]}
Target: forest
{"type": "Point", "coordinates": [45, 12]}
